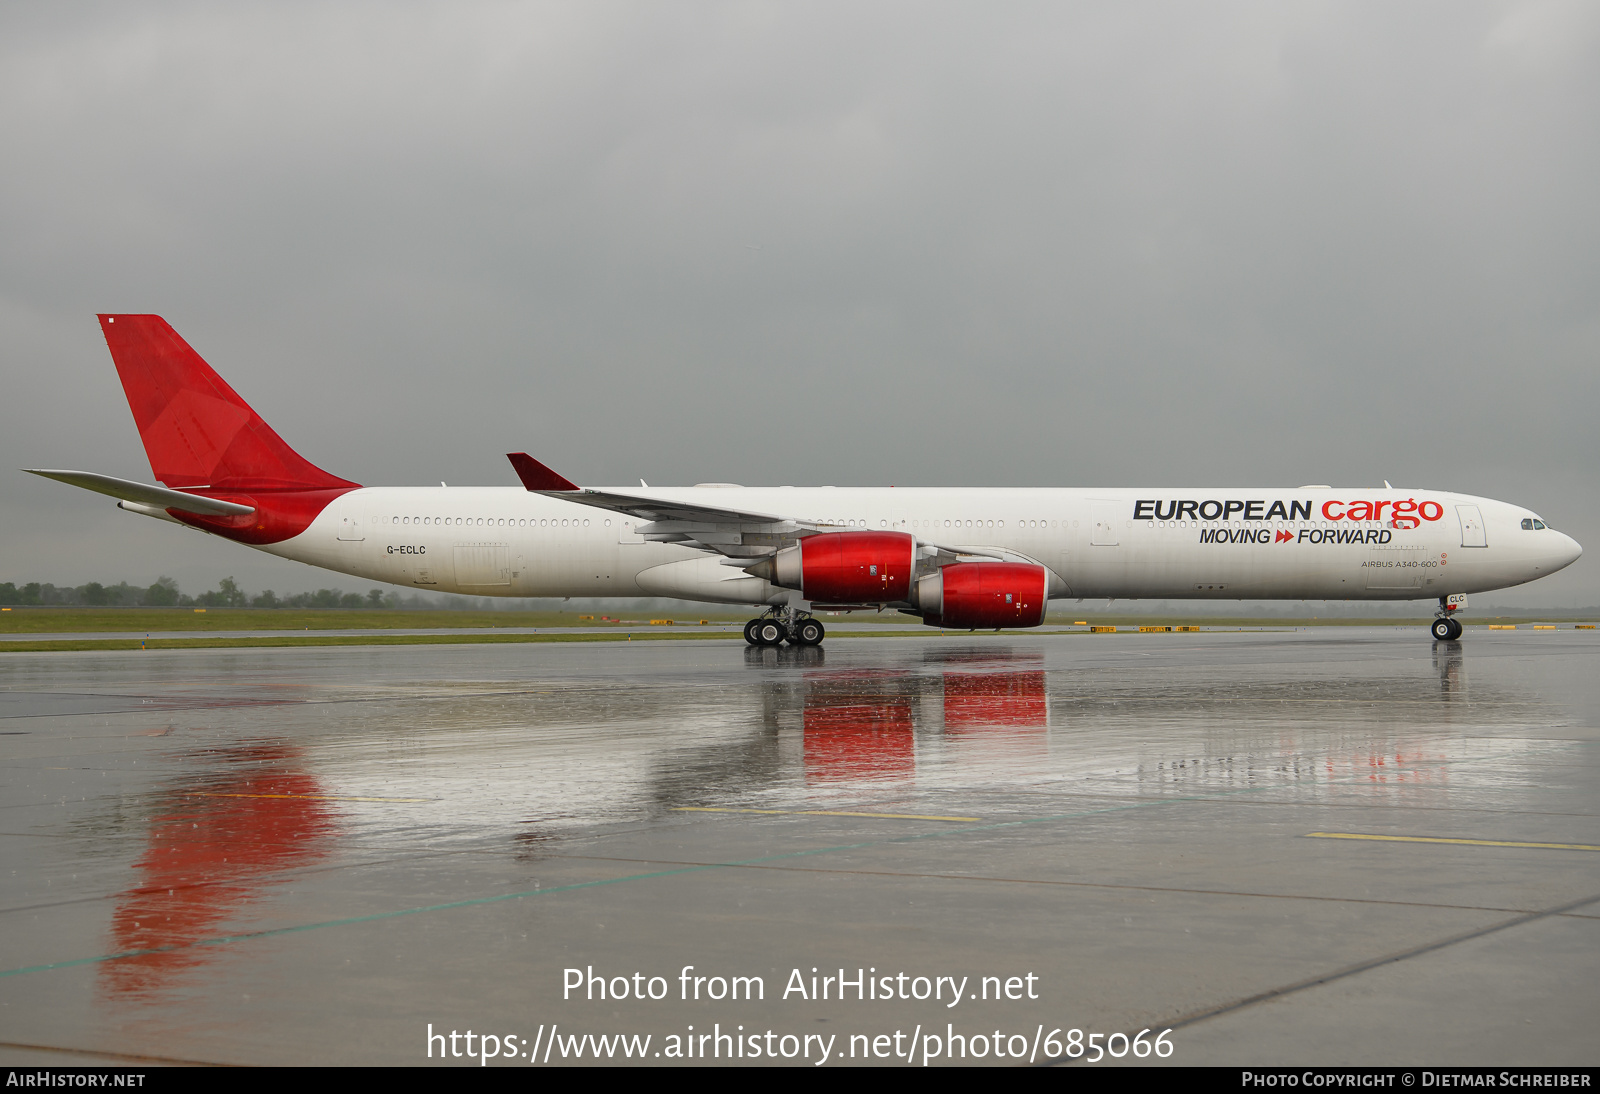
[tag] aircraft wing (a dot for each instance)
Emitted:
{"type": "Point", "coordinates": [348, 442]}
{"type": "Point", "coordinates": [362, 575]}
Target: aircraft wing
{"type": "Point", "coordinates": [658, 507]}
{"type": "Point", "coordinates": [740, 534]}
{"type": "Point", "coordinates": [743, 535]}
{"type": "Point", "coordinates": [157, 497]}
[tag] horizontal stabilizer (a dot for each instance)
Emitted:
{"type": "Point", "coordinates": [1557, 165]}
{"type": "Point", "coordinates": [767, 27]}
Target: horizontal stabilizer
{"type": "Point", "coordinates": [158, 497]}
{"type": "Point", "coordinates": [535, 475]}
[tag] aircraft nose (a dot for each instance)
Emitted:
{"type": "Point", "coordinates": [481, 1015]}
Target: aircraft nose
{"type": "Point", "coordinates": [1571, 550]}
{"type": "Point", "coordinates": [1563, 552]}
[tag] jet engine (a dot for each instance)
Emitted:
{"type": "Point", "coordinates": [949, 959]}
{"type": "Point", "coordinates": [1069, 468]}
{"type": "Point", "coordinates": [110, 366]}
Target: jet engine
{"type": "Point", "coordinates": [984, 594]}
{"type": "Point", "coordinates": [845, 567]}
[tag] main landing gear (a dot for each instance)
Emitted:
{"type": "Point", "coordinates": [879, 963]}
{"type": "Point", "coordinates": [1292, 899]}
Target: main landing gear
{"type": "Point", "coordinates": [784, 625]}
{"type": "Point", "coordinates": [1446, 628]}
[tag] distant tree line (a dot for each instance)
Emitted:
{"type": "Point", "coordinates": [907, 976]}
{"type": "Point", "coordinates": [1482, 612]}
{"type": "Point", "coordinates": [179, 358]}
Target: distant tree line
{"type": "Point", "coordinates": [165, 594]}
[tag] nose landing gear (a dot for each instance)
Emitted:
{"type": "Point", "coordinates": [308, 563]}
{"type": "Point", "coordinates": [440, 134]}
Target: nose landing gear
{"type": "Point", "coordinates": [784, 624]}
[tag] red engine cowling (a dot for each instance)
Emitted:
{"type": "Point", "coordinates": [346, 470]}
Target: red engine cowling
{"type": "Point", "coordinates": [848, 567]}
{"type": "Point", "coordinates": [985, 594]}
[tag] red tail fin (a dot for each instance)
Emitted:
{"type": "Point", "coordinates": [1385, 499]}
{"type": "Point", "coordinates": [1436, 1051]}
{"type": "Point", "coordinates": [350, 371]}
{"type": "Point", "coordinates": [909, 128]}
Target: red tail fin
{"type": "Point", "coordinates": [196, 430]}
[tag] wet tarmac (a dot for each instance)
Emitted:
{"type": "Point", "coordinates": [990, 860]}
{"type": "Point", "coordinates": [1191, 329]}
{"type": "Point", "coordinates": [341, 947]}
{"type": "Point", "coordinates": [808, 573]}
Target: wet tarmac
{"type": "Point", "coordinates": [314, 855]}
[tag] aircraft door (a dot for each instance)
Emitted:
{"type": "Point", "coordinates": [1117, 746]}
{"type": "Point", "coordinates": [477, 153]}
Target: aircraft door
{"type": "Point", "coordinates": [1472, 530]}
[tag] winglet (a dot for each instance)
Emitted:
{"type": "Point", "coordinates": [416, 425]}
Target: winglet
{"type": "Point", "coordinates": [535, 475]}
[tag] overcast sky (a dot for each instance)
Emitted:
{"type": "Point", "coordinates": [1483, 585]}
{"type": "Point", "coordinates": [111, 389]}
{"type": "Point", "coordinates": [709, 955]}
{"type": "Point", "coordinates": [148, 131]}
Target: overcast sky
{"type": "Point", "coordinates": [920, 244]}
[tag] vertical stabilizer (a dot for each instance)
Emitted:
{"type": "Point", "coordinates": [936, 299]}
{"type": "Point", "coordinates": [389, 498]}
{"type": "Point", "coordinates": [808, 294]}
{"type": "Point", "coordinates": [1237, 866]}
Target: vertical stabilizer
{"type": "Point", "coordinates": [196, 430]}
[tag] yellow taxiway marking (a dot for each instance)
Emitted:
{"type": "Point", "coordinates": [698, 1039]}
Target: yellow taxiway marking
{"type": "Point", "coordinates": [822, 813]}
{"type": "Point", "coordinates": [310, 797]}
{"type": "Point", "coordinates": [1467, 842]}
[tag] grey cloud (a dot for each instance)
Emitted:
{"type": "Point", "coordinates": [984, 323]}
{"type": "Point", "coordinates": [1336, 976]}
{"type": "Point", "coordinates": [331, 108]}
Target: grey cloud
{"type": "Point", "coordinates": [909, 243]}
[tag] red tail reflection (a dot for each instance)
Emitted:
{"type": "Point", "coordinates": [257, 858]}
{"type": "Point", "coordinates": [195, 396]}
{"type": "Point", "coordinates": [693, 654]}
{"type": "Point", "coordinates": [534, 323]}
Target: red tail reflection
{"type": "Point", "coordinates": [213, 850]}
{"type": "Point", "coordinates": [858, 726]}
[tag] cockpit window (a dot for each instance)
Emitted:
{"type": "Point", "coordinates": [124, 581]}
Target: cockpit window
{"type": "Point", "coordinates": [1538, 524]}
{"type": "Point", "coordinates": [1527, 525]}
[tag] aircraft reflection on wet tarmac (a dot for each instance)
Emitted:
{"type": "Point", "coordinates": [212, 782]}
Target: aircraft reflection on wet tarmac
{"type": "Point", "coordinates": [859, 724]}
{"type": "Point", "coordinates": [195, 800]}
{"type": "Point", "coordinates": [862, 724]}
{"type": "Point", "coordinates": [215, 845]}
{"type": "Point", "coordinates": [951, 715]}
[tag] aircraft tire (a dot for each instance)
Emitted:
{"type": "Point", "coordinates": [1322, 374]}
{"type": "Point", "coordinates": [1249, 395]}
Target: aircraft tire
{"type": "Point", "coordinates": [750, 632]}
{"type": "Point", "coordinates": [1444, 630]}
{"type": "Point", "coordinates": [1456, 627]}
{"type": "Point", "coordinates": [769, 632]}
{"type": "Point", "coordinates": [810, 632]}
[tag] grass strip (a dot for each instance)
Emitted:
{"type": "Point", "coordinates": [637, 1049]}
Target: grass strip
{"type": "Point", "coordinates": [69, 645]}
{"type": "Point", "coordinates": [52, 620]}
{"type": "Point", "coordinates": [56, 620]}
{"type": "Point", "coordinates": [378, 638]}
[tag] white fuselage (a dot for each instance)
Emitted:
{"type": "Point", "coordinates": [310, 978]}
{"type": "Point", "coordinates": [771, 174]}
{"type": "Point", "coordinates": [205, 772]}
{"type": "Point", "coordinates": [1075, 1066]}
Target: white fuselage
{"type": "Point", "coordinates": [1126, 544]}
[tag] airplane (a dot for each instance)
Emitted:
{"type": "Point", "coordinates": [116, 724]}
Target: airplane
{"type": "Point", "coordinates": [959, 559]}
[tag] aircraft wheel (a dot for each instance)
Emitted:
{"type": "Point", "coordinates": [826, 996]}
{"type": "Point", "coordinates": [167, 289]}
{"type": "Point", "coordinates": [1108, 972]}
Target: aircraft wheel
{"type": "Point", "coordinates": [809, 633]}
{"type": "Point", "coordinates": [769, 632]}
{"type": "Point", "coordinates": [750, 632]}
{"type": "Point", "coordinates": [1456, 627]}
{"type": "Point", "coordinates": [1444, 630]}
